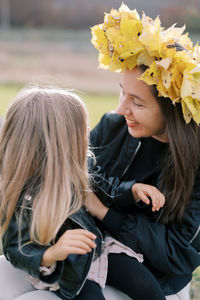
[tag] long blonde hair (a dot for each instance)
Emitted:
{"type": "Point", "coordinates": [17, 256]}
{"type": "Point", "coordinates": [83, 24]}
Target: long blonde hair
{"type": "Point", "coordinates": [44, 143]}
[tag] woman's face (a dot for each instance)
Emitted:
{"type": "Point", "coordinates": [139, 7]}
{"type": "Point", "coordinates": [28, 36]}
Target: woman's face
{"type": "Point", "coordinates": [139, 107]}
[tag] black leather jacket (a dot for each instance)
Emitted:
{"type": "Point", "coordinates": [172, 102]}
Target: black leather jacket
{"type": "Point", "coordinates": [171, 251]}
{"type": "Point", "coordinates": [71, 273]}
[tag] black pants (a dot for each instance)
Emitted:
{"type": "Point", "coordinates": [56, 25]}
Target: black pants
{"type": "Point", "coordinates": [127, 275]}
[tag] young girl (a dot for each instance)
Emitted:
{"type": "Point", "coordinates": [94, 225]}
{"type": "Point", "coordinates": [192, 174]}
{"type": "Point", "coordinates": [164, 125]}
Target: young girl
{"type": "Point", "coordinates": [44, 183]}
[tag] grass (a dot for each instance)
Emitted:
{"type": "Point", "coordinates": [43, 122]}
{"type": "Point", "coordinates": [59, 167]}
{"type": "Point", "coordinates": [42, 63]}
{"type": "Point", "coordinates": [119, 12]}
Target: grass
{"type": "Point", "coordinates": [195, 287]}
{"type": "Point", "coordinates": [7, 93]}
{"type": "Point", "coordinates": [97, 105]}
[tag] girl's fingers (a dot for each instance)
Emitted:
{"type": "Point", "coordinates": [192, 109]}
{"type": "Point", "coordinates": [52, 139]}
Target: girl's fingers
{"type": "Point", "coordinates": [83, 239]}
{"type": "Point", "coordinates": [143, 191]}
{"type": "Point", "coordinates": [77, 244]}
{"type": "Point", "coordinates": [77, 250]}
{"type": "Point", "coordinates": [81, 232]}
{"type": "Point", "coordinates": [79, 235]}
{"type": "Point", "coordinates": [62, 249]}
{"type": "Point", "coordinates": [162, 200]}
{"type": "Point", "coordinates": [158, 201]}
{"type": "Point", "coordinates": [144, 198]}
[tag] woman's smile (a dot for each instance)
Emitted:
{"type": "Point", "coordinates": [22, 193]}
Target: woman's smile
{"type": "Point", "coordinates": [131, 123]}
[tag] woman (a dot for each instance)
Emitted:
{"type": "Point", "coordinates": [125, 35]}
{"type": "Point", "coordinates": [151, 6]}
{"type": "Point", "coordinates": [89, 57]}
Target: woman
{"type": "Point", "coordinates": [153, 139]}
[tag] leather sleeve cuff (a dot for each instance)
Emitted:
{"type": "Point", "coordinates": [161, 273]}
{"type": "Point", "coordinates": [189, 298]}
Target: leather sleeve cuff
{"type": "Point", "coordinates": [125, 198]}
{"type": "Point", "coordinates": [113, 220]}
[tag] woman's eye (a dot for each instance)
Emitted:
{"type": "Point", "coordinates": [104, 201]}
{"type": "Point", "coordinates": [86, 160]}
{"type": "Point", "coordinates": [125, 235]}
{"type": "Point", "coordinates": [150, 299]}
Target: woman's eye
{"type": "Point", "coordinates": [137, 104]}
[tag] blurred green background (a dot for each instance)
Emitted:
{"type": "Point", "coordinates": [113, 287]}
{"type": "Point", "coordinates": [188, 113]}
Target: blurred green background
{"type": "Point", "coordinates": [97, 103]}
{"type": "Point", "coordinates": [49, 42]}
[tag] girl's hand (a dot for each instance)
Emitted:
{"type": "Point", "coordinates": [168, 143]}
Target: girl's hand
{"type": "Point", "coordinates": [76, 241]}
{"type": "Point", "coordinates": [95, 207]}
{"type": "Point", "coordinates": [143, 191]}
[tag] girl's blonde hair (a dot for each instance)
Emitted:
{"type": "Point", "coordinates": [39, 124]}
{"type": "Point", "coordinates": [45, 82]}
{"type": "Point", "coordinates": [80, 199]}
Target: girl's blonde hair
{"type": "Point", "coordinates": [43, 148]}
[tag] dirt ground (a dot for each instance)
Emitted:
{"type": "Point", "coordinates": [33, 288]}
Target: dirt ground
{"type": "Point", "coordinates": [54, 55]}
{"type": "Point", "coordinates": [37, 61]}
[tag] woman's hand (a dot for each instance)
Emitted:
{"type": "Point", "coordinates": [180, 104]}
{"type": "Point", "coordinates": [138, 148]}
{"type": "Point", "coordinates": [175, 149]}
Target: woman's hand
{"type": "Point", "coordinates": [95, 207]}
{"type": "Point", "coordinates": [143, 191]}
{"type": "Point", "coordinates": [75, 241]}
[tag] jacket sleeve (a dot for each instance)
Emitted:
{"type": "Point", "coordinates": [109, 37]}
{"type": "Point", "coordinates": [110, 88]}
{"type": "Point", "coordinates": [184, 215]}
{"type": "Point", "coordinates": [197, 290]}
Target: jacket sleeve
{"type": "Point", "coordinates": [170, 249]}
{"type": "Point", "coordinates": [25, 255]}
{"type": "Point", "coordinates": [109, 189]}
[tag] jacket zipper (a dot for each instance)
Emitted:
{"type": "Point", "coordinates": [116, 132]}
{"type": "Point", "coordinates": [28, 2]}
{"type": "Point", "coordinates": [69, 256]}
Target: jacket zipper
{"type": "Point", "coordinates": [102, 240]}
{"type": "Point", "coordinates": [85, 276]}
{"type": "Point", "coordinates": [195, 235]}
{"type": "Point", "coordinates": [93, 254]}
{"type": "Point", "coordinates": [134, 155]}
{"type": "Point", "coordinates": [102, 246]}
{"type": "Point", "coordinates": [159, 216]}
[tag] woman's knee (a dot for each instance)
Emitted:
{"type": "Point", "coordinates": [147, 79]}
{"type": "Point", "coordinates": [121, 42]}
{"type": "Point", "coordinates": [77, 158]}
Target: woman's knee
{"type": "Point", "coordinates": [13, 282]}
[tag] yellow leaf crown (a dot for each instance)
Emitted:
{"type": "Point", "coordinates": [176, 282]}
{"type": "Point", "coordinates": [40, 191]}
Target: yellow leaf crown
{"type": "Point", "coordinates": [125, 40]}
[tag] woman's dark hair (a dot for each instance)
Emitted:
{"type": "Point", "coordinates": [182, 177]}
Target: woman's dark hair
{"type": "Point", "coordinates": [181, 161]}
